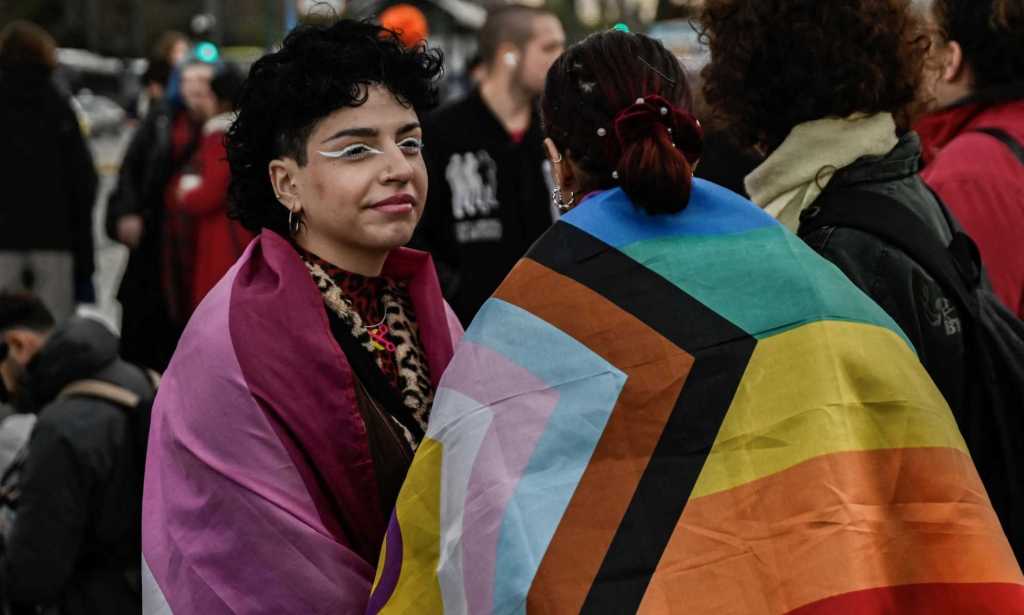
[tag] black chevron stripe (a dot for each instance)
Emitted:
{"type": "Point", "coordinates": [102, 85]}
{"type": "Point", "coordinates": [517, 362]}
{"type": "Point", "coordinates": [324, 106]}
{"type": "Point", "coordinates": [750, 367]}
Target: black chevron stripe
{"type": "Point", "coordinates": [721, 352]}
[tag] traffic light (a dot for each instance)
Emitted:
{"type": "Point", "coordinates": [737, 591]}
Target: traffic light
{"type": "Point", "coordinates": [207, 52]}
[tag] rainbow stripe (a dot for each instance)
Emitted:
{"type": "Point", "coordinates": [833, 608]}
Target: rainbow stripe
{"type": "Point", "coordinates": [690, 414]}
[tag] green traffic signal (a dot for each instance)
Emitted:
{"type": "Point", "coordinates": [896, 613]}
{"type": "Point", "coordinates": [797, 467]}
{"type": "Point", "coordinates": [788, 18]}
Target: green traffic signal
{"type": "Point", "coordinates": [207, 52]}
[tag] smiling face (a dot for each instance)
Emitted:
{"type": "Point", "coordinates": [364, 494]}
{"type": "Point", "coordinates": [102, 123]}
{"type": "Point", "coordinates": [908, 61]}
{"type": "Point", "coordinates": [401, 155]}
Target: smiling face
{"type": "Point", "coordinates": [362, 189]}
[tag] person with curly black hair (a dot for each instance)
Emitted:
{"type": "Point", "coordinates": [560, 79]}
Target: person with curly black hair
{"type": "Point", "coordinates": [290, 412]}
{"type": "Point", "coordinates": [976, 82]}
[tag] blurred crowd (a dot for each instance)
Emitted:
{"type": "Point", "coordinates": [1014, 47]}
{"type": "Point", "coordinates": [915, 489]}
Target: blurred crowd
{"type": "Point", "coordinates": [903, 105]}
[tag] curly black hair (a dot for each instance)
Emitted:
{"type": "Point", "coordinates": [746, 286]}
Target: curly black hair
{"type": "Point", "coordinates": [779, 63]}
{"type": "Point", "coordinates": [991, 34]}
{"type": "Point", "coordinates": [318, 70]}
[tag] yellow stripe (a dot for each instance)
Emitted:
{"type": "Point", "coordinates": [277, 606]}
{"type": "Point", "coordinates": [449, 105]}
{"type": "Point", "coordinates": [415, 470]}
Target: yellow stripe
{"type": "Point", "coordinates": [419, 516]}
{"type": "Point", "coordinates": [824, 388]}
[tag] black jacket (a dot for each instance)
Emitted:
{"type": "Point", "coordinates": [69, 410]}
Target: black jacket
{"type": "Point", "coordinates": [50, 181]}
{"type": "Point", "coordinates": [898, 284]}
{"type": "Point", "coordinates": [148, 334]}
{"type": "Point", "coordinates": [489, 199]}
{"type": "Point", "coordinates": [75, 539]}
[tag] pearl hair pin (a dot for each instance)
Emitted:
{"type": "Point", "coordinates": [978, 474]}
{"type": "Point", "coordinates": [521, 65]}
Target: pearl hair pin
{"type": "Point", "coordinates": [601, 132]}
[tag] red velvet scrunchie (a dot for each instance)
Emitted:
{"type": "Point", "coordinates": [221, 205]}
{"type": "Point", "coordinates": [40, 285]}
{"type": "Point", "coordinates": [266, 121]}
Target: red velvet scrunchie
{"type": "Point", "coordinates": [636, 122]}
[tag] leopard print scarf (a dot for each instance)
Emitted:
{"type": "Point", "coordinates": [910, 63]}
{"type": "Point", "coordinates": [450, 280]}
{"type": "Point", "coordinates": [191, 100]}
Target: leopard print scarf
{"type": "Point", "coordinates": [413, 373]}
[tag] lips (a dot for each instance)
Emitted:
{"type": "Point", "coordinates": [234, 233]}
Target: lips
{"type": "Point", "coordinates": [399, 201]}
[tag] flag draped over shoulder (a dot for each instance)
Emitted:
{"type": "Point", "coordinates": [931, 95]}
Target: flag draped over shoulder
{"type": "Point", "coordinates": [260, 493]}
{"type": "Point", "coordinates": [689, 414]}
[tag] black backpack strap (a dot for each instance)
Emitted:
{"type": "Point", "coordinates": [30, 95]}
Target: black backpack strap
{"type": "Point", "coordinates": [954, 267]}
{"type": "Point", "coordinates": [1005, 138]}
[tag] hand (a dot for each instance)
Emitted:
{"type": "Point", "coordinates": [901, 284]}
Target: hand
{"type": "Point", "coordinates": [186, 184]}
{"type": "Point", "coordinates": [130, 229]}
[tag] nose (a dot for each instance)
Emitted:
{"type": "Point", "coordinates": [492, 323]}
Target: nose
{"type": "Point", "coordinates": [399, 168]}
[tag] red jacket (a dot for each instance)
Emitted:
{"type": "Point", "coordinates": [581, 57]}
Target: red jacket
{"type": "Point", "coordinates": [218, 241]}
{"type": "Point", "coordinates": [982, 182]}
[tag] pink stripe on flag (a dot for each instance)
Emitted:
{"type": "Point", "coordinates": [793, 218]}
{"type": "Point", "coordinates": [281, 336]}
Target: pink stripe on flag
{"type": "Point", "coordinates": [228, 525]}
{"type": "Point", "coordinates": [519, 420]}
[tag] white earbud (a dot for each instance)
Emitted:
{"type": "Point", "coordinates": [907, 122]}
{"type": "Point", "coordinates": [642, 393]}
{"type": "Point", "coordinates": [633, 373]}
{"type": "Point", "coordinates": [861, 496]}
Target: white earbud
{"type": "Point", "coordinates": [511, 58]}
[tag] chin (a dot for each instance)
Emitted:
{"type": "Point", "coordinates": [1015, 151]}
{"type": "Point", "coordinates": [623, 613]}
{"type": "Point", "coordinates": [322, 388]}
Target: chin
{"type": "Point", "coordinates": [395, 238]}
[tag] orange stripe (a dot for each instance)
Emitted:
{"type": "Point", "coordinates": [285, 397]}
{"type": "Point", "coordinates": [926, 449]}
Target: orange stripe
{"type": "Point", "coordinates": [836, 524]}
{"type": "Point", "coordinates": [599, 503]}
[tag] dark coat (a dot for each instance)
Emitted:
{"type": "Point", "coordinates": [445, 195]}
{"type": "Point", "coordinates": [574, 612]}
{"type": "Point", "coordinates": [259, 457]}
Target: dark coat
{"type": "Point", "coordinates": [147, 333]}
{"type": "Point", "coordinates": [898, 284]}
{"type": "Point", "coordinates": [50, 181]}
{"type": "Point", "coordinates": [489, 200]}
{"type": "Point", "coordinates": [75, 538]}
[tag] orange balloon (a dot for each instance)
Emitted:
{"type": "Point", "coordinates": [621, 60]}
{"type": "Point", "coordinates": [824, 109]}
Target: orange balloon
{"type": "Point", "coordinates": [408, 22]}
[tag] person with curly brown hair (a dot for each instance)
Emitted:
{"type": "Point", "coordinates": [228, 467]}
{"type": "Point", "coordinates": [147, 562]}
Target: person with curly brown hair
{"type": "Point", "coordinates": [826, 89]}
{"type": "Point", "coordinates": [822, 88]}
{"type": "Point", "coordinates": [976, 83]}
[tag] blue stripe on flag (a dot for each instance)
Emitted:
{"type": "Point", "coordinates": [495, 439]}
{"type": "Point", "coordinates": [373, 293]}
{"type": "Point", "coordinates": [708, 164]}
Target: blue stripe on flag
{"type": "Point", "coordinates": [611, 216]}
{"type": "Point", "coordinates": [588, 388]}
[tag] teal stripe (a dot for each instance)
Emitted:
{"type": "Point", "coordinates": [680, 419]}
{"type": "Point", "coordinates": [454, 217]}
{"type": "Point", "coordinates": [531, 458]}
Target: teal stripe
{"type": "Point", "coordinates": [765, 281]}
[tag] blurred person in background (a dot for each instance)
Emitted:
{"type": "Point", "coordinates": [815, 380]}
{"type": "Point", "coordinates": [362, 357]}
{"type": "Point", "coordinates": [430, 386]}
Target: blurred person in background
{"type": "Point", "coordinates": [136, 217]}
{"type": "Point", "coordinates": [202, 193]}
{"type": "Point", "coordinates": [842, 171]}
{"type": "Point", "coordinates": [70, 504]}
{"type": "Point", "coordinates": [486, 161]}
{"type": "Point", "coordinates": [169, 52]}
{"type": "Point", "coordinates": [302, 385]}
{"type": "Point", "coordinates": [975, 83]}
{"type": "Point", "coordinates": [46, 230]}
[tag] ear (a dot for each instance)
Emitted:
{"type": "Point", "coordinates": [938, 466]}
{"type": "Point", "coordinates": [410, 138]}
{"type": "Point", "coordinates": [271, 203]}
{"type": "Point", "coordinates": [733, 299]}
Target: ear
{"type": "Point", "coordinates": [561, 169]}
{"type": "Point", "coordinates": [953, 67]}
{"type": "Point", "coordinates": [283, 177]}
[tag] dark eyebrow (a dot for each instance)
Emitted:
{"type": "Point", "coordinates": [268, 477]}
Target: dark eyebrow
{"type": "Point", "coordinates": [411, 126]}
{"type": "Point", "coordinates": [352, 132]}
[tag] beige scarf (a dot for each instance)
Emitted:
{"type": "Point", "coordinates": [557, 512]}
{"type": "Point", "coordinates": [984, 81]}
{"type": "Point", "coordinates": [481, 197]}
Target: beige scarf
{"type": "Point", "coordinates": [795, 174]}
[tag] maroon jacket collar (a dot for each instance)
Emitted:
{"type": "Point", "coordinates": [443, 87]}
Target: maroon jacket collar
{"type": "Point", "coordinates": [986, 108]}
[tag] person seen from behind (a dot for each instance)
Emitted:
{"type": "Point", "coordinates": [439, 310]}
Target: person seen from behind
{"type": "Point", "coordinates": [487, 170]}
{"type": "Point", "coordinates": [46, 229]}
{"type": "Point", "coordinates": [842, 171]}
{"type": "Point", "coordinates": [70, 504]}
{"type": "Point", "coordinates": [202, 193]}
{"type": "Point", "coordinates": [975, 85]}
{"type": "Point", "coordinates": [303, 383]}
{"type": "Point", "coordinates": [639, 422]}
